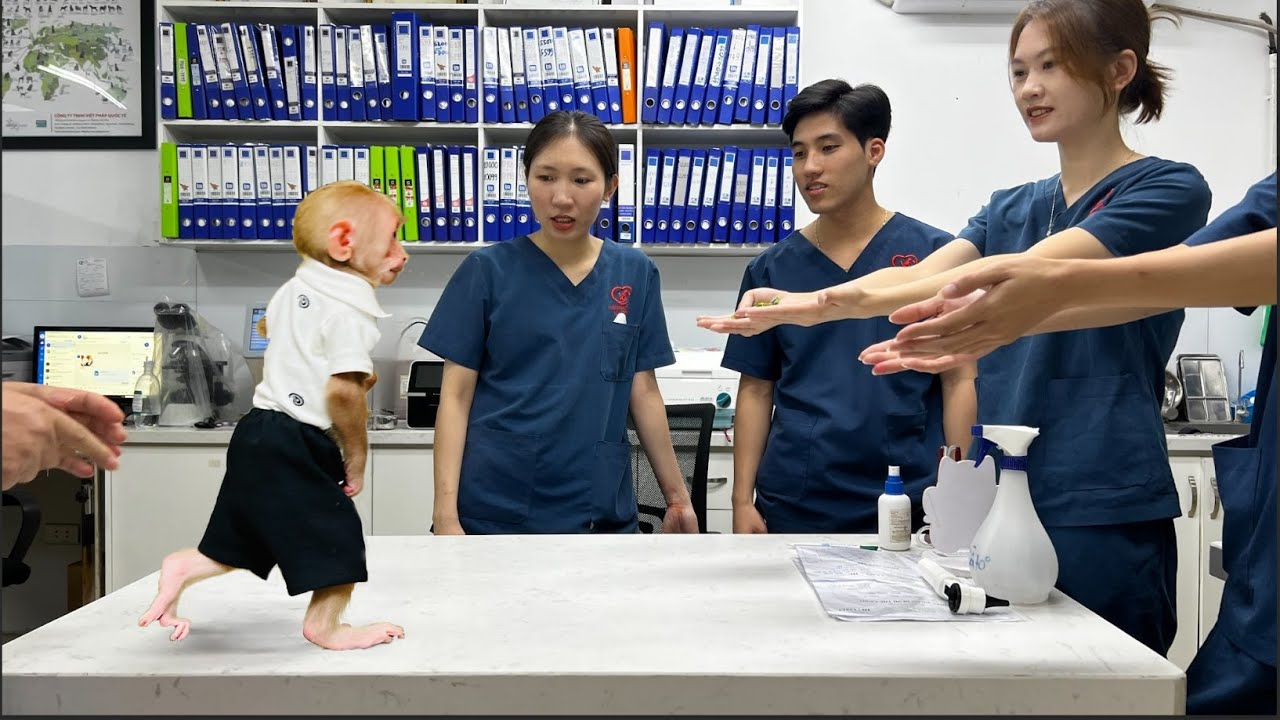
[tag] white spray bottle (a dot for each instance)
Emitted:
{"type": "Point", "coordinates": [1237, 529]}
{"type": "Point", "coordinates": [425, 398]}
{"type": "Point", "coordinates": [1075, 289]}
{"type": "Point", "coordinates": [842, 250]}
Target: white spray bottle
{"type": "Point", "coordinates": [1011, 556]}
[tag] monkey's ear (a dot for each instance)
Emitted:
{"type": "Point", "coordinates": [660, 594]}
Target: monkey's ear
{"type": "Point", "coordinates": [262, 326]}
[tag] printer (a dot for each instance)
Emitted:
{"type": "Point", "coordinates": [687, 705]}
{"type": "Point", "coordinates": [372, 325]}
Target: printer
{"type": "Point", "coordinates": [18, 355]}
{"type": "Point", "coordinates": [696, 377]}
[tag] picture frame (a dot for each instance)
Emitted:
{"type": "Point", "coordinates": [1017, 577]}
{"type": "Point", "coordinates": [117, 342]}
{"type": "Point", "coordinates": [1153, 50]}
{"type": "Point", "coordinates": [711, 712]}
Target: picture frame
{"type": "Point", "coordinates": [79, 79]}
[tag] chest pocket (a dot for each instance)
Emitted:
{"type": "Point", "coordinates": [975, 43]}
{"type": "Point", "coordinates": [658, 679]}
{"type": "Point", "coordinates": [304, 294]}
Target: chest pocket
{"type": "Point", "coordinates": [618, 351]}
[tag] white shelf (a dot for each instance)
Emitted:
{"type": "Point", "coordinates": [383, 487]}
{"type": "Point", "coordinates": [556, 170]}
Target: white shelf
{"type": "Point", "coordinates": [705, 250]}
{"type": "Point", "coordinates": [675, 13]}
{"type": "Point", "coordinates": [458, 248]}
{"type": "Point", "coordinates": [271, 246]}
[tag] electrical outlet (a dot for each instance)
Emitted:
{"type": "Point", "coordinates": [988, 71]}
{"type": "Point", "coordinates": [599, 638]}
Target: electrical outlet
{"type": "Point", "coordinates": [62, 534]}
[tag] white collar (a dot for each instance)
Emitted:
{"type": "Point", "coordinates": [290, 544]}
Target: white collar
{"type": "Point", "coordinates": [345, 287]}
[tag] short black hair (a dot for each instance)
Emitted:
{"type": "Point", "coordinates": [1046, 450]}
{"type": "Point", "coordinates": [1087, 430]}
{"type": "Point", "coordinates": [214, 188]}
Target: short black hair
{"type": "Point", "coordinates": [864, 109]}
{"type": "Point", "coordinates": [589, 130]}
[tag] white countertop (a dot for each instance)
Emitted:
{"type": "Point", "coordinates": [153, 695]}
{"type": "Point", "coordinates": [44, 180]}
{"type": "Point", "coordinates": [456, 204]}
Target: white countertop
{"type": "Point", "coordinates": [711, 624]}
{"type": "Point", "coordinates": [402, 435]}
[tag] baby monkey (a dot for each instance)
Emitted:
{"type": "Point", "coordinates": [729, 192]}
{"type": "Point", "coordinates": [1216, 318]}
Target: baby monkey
{"type": "Point", "coordinates": [298, 457]}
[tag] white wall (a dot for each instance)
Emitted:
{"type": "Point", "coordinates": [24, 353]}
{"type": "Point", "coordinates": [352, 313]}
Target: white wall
{"type": "Point", "coordinates": [955, 138]}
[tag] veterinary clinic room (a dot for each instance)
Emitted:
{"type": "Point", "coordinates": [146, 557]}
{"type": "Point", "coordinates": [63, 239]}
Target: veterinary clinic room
{"type": "Point", "coordinates": [639, 357]}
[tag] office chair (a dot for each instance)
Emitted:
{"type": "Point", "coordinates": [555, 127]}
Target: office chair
{"type": "Point", "coordinates": [15, 571]}
{"type": "Point", "coordinates": [690, 427]}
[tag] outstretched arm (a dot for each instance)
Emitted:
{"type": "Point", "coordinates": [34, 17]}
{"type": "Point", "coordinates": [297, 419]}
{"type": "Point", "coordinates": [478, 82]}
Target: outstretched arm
{"type": "Point", "coordinates": [1028, 295]}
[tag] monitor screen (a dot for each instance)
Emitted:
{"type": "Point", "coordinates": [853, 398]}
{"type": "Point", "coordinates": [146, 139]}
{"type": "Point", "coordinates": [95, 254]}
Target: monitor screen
{"type": "Point", "coordinates": [105, 360]}
{"type": "Point", "coordinates": [254, 344]}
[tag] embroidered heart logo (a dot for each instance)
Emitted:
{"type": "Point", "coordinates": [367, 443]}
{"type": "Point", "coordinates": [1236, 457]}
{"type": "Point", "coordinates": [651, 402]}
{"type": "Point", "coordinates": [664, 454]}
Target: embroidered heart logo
{"type": "Point", "coordinates": [621, 294]}
{"type": "Point", "coordinates": [904, 260]}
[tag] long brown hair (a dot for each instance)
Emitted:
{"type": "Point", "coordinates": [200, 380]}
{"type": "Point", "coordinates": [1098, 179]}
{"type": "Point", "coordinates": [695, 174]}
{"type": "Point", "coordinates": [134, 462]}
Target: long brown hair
{"type": "Point", "coordinates": [1086, 36]}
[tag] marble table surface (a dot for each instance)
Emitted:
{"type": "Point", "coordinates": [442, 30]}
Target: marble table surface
{"type": "Point", "coordinates": [711, 624]}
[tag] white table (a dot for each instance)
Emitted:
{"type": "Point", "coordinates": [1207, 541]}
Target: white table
{"type": "Point", "coordinates": [713, 624]}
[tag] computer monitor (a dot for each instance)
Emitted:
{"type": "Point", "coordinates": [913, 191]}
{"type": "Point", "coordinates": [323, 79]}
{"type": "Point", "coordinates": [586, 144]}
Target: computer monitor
{"type": "Point", "coordinates": [105, 360]}
{"type": "Point", "coordinates": [255, 345]}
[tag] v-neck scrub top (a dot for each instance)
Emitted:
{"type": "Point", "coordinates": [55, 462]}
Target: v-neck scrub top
{"type": "Point", "coordinates": [836, 428]}
{"type": "Point", "coordinates": [546, 447]}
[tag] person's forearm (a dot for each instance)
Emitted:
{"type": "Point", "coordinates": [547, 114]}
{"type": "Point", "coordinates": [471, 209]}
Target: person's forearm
{"type": "Point", "coordinates": [883, 301]}
{"type": "Point", "coordinates": [450, 440]}
{"type": "Point", "coordinates": [751, 421]}
{"type": "Point", "coordinates": [959, 406]}
{"type": "Point", "coordinates": [348, 410]}
{"type": "Point", "coordinates": [1239, 272]}
{"type": "Point", "coordinates": [650, 415]}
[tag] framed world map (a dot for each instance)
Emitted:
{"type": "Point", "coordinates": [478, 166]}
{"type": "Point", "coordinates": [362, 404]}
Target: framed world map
{"type": "Point", "coordinates": [78, 74]}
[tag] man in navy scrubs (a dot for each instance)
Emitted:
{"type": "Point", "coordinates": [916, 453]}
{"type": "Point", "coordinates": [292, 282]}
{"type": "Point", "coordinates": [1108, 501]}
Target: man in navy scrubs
{"type": "Point", "coordinates": [814, 431]}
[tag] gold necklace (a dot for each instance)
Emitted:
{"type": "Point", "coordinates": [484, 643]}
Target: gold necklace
{"type": "Point", "coordinates": [817, 238]}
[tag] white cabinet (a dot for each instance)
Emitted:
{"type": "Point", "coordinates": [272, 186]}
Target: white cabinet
{"type": "Point", "coordinates": [1210, 531]}
{"type": "Point", "coordinates": [404, 490]}
{"type": "Point", "coordinates": [1188, 476]}
{"type": "Point", "coordinates": [1198, 592]}
{"type": "Point", "coordinates": [720, 491]}
{"type": "Point", "coordinates": [159, 501]}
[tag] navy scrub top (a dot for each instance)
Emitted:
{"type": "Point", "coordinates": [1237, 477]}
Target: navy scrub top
{"type": "Point", "coordinates": [546, 448]}
{"type": "Point", "coordinates": [836, 428]}
{"type": "Point", "coordinates": [1100, 458]}
{"type": "Point", "coordinates": [1246, 469]}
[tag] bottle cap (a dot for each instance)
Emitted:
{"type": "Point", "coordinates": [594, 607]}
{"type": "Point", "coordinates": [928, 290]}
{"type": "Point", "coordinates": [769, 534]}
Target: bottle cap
{"type": "Point", "coordinates": [893, 483]}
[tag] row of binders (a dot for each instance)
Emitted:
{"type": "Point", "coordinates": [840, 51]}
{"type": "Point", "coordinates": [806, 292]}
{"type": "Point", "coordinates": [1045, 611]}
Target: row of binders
{"type": "Point", "coordinates": [718, 195]}
{"type": "Point", "coordinates": [233, 71]}
{"type": "Point", "coordinates": [508, 212]}
{"type": "Point", "coordinates": [529, 72]}
{"type": "Point", "coordinates": [696, 76]}
{"type": "Point", "coordinates": [251, 191]}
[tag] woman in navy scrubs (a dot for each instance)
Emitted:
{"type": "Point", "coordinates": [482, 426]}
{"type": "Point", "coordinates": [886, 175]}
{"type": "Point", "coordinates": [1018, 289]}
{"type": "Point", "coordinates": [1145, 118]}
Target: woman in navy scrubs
{"type": "Point", "coordinates": [1229, 263]}
{"type": "Point", "coordinates": [1100, 479]}
{"type": "Point", "coordinates": [549, 341]}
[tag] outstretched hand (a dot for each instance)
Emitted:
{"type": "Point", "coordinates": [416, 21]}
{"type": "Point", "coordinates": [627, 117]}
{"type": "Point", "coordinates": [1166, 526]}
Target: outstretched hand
{"type": "Point", "coordinates": [971, 317]}
{"type": "Point", "coordinates": [763, 309]}
{"type": "Point", "coordinates": [52, 427]}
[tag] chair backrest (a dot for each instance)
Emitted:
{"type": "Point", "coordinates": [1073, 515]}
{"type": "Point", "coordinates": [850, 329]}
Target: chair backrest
{"type": "Point", "coordinates": [690, 427]}
{"type": "Point", "coordinates": [15, 570]}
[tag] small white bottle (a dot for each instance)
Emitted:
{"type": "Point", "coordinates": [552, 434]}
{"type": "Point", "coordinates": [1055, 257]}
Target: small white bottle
{"type": "Point", "coordinates": [146, 396]}
{"type": "Point", "coordinates": [894, 527]}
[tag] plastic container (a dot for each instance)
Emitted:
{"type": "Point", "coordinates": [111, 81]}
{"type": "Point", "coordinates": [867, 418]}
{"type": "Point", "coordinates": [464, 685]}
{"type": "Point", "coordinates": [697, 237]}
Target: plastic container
{"type": "Point", "coordinates": [146, 397]}
{"type": "Point", "coordinates": [1012, 557]}
{"type": "Point", "coordinates": [894, 527]}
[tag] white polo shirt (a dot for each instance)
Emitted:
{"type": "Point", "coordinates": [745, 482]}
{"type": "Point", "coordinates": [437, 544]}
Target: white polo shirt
{"type": "Point", "coordinates": [320, 323]}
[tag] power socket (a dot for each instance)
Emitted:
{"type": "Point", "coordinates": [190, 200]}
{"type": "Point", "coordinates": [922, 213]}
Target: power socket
{"type": "Point", "coordinates": [62, 534]}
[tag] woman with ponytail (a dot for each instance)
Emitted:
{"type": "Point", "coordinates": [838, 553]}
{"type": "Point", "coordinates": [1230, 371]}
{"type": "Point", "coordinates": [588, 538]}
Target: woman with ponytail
{"type": "Point", "coordinates": [1100, 476]}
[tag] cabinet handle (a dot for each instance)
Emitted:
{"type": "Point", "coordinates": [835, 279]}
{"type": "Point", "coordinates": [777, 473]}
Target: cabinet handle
{"type": "Point", "coordinates": [718, 481]}
{"type": "Point", "coordinates": [1195, 496]}
{"type": "Point", "coordinates": [1213, 483]}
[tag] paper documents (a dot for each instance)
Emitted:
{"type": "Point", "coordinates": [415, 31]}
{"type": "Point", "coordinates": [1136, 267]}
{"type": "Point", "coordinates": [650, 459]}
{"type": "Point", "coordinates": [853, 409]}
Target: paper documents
{"type": "Point", "coordinates": [871, 585]}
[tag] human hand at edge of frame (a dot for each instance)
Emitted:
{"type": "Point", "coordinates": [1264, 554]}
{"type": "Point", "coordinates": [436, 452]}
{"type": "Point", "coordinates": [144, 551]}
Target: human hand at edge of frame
{"type": "Point", "coordinates": [680, 518]}
{"type": "Point", "coordinates": [888, 357]}
{"type": "Point", "coordinates": [53, 427]}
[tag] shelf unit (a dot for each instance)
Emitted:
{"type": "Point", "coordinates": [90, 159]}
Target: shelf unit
{"type": "Point", "coordinates": [481, 135]}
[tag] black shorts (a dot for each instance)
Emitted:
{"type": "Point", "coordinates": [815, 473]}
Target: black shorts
{"type": "Point", "coordinates": [281, 503]}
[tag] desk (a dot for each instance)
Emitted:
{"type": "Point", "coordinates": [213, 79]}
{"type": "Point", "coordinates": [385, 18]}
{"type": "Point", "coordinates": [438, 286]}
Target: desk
{"type": "Point", "coordinates": [649, 624]}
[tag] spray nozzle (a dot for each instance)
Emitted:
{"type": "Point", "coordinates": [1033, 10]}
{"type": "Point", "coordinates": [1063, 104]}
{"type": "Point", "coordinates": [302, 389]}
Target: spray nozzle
{"type": "Point", "coordinates": [1013, 440]}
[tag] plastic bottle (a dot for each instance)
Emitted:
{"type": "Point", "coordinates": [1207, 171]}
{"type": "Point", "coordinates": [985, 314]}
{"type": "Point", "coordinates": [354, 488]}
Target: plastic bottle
{"type": "Point", "coordinates": [146, 396]}
{"type": "Point", "coordinates": [1011, 556]}
{"type": "Point", "coordinates": [894, 526]}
